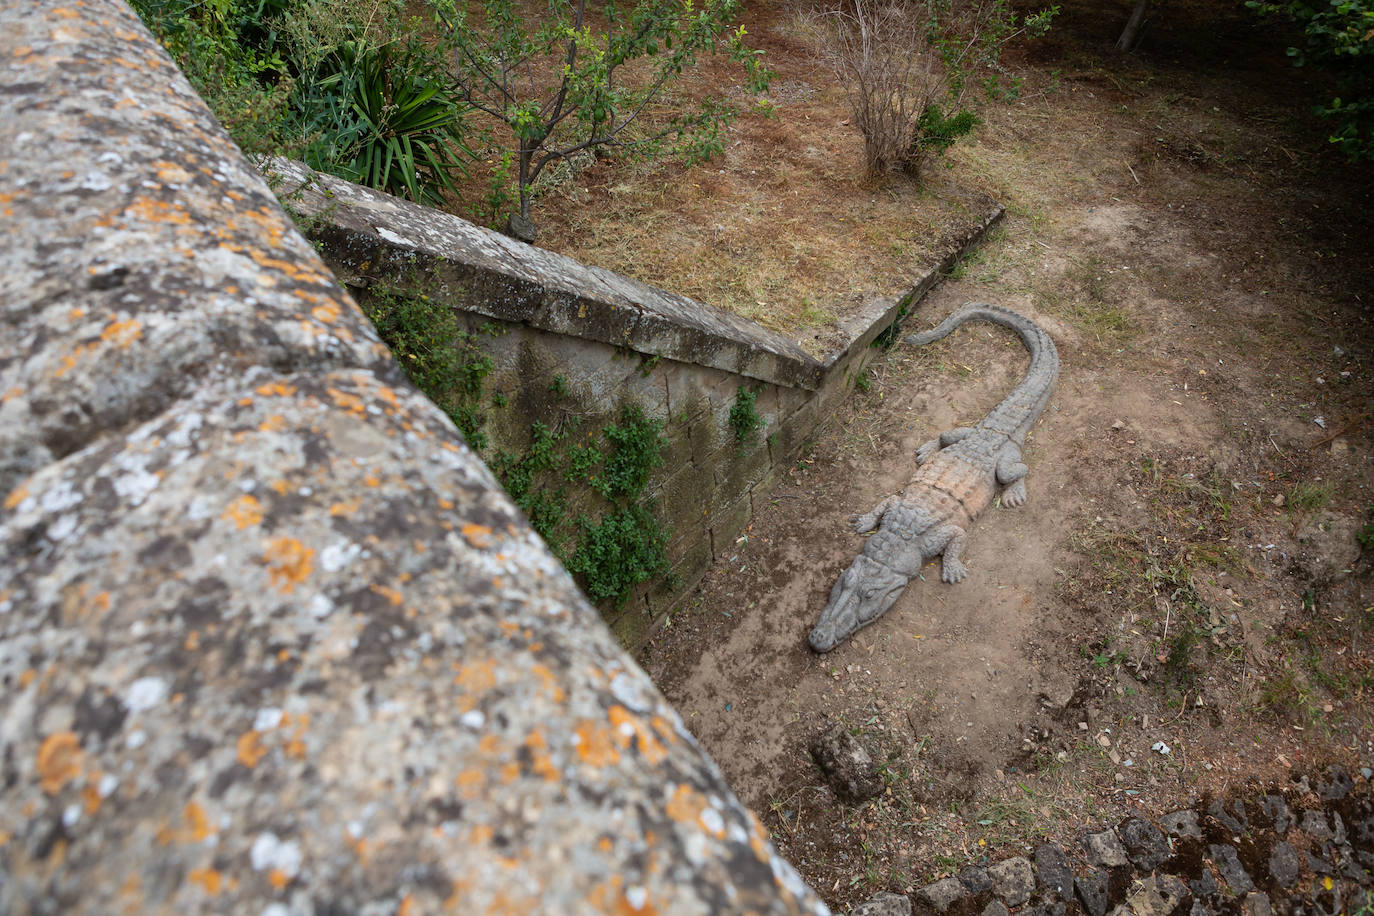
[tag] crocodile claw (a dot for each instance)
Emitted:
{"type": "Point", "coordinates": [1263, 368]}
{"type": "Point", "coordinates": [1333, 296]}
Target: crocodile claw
{"type": "Point", "coordinates": [952, 571]}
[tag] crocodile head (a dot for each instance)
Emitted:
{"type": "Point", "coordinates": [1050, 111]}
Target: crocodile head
{"type": "Point", "coordinates": [864, 591]}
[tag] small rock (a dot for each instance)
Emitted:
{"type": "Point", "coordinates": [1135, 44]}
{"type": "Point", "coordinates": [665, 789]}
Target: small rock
{"type": "Point", "coordinates": [1013, 880]}
{"type": "Point", "coordinates": [975, 880]}
{"type": "Point", "coordinates": [941, 895]}
{"type": "Point", "coordinates": [1256, 904]}
{"type": "Point", "coordinates": [1276, 809]}
{"type": "Point", "coordinates": [1319, 865]}
{"type": "Point", "coordinates": [846, 764]}
{"type": "Point", "coordinates": [1092, 893]}
{"type": "Point", "coordinates": [884, 904]}
{"type": "Point", "coordinates": [1052, 869]}
{"type": "Point", "coordinates": [1314, 825]}
{"type": "Point", "coordinates": [1150, 898]}
{"type": "Point", "coordinates": [1199, 910]}
{"type": "Point", "coordinates": [1104, 849]}
{"type": "Point", "coordinates": [1043, 909]}
{"type": "Point", "coordinates": [1284, 865]}
{"type": "Point", "coordinates": [1338, 783]}
{"type": "Point", "coordinates": [1232, 872]}
{"type": "Point", "coordinates": [1204, 885]}
{"type": "Point", "coordinates": [1182, 824]}
{"type": "Point", "coordinates": [1145, 845]}
{"type": "Point", "coordinates": [1233, 820]}
{"type": "Point", "coordinates": [996, 908]}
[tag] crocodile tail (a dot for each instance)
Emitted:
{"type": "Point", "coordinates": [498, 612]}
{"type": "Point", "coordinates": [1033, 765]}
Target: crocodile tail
{"type": "Point", "coordinates": [1018, 412]}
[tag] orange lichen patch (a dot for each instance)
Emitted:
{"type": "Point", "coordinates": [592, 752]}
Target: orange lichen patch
{"type": "Point", "coordinates": [445, 504]}
{"type": "Point", "coordinates": [390, 594]}
{"type": "Point", "coordinates": [280, 486]}
{"type": "Point", "coordinates": [11, 394]}
{"type": "Point", "coordinates": [59, 761]}
{"type": "Point", "coordinates": [406, 907]}
{"type": "Point", "coordinates": [295, 745]}
{"type": "Point", "coordinates": [90, 797]}
{"type": "Point", "coordinates": [327, 313]}
{"type": "Point", "coordinates": [386, 394]}
{"type": "Point", "coordinates": [207, 878]}
{"type": "Point", "coordinates": [540, 761]}
{"type": "Point", "coordinates": [122, 333]}
{"type": "Point", "coordinates": [192, 641]}
{"type": "Point", "coordinates": [548, 681]}
{"type": "Point", "coordinates": [272, 424]}
{"type": "Point", "coordinates": [372, 480]}
{"type": "Point", "coordinates": [629, 726]}
{"type": "Point", "coordinates": [65, 13]}
{"type": "Point", "coordinates": [244, 512]}
{"type": "Point", "coordinates": [69, 361]}
{"type": "Point", "coordinates": [489, 745]}
{"type": "Point", "coordinates": [278, 878]}
{"type": "Point", "coordinates": [292, 270]}
{"type": "Point", "coordinates": [171, 172]}
{"type": "Point", "coordinates": [346, 508]}
{"type": "Point", "coordinates": [250, 749]}
{"type": "Point", "coordinates": [275, 389]}
{"type": "Point", "coordinates": [359, 847]}
{"type": "Point", "coordinates": [350, 402]}
{"type": "Point", "coordinates": [27, 677]}
{"type": "Point", "coordinates": [197, 824]}
{"type": "Point", "coordinates": [158, 211]}
{"type": "Point", "coordinates": [686, 805]}
{"type": "Point", "coordinates": [478, 536]}
{"type": "Point", "coordinates": [595, 742]}
{"type": "Point", "coordinates": [470, 783]}
{"type": "Point", "coordinates": [476, 677]}
{"type": "Point", "coordinates": [22, 51]}
{"type": "Point", "coordinates": [665, 729]}
{"type": "Point", "coordinates": [288, 563]}
{"type": "Point", "coordinates": [17, 496]}
{"type": "Point", "coordinates": [245, 402]}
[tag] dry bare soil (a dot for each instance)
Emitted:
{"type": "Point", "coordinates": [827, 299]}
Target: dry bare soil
{"type": "Point", "coordinates": [1184, 605]}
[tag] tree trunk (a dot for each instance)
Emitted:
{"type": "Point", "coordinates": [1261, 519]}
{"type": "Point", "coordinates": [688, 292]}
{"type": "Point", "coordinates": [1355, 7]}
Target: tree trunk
{"type": "Point", "coordinates": [519, 225]}
{"type": "Point", "coordinates": [1131, 34]}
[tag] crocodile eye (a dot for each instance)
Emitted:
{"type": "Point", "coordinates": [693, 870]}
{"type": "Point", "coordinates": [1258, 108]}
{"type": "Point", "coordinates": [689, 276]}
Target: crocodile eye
{"type": "Point", "coordinates": [868, 593]}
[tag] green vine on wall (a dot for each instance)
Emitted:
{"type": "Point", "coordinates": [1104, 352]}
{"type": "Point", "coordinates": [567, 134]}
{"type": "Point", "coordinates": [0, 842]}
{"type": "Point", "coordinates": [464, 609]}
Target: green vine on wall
{"type": "Point", "coordinates": [744, 416]}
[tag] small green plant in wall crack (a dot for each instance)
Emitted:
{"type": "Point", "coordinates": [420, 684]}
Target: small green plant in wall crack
{"type": "Point", "coordinates": [744, 416]}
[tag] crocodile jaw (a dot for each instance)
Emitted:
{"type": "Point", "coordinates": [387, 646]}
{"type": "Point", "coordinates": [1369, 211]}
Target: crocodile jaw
{"type": "Point", "coordinates": [864, 591]}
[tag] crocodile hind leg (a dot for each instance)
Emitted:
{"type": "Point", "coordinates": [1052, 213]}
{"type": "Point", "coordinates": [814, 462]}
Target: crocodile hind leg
{"type": "Point", "coordinates": [1011, 473]}
{"type": "Point", "coordinates": [866, 523]}
{"type": "Point", "coordinates": [944, 440]}
{"type": "Point", "coordinates": [948, 541]}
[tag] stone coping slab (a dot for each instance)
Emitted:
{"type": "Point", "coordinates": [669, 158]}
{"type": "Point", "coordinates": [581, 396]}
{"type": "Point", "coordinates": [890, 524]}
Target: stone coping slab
{"type": "Point", "coordinates": [272, 638]}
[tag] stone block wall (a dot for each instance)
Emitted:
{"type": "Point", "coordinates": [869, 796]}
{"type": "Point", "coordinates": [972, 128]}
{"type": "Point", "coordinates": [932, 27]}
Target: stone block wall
{"type": "Point", "coordinates": [611, 339]}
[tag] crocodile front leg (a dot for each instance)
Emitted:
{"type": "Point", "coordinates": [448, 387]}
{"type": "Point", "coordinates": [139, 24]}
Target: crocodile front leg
{"type": "Point", "coordinates": [948, 541]}
{"type": "Point", "coordinates": [1011, 473]}
{"type": "Point", "coordinates": [866, 523]}
{"type": "Point", "coordinates": [944, 440]}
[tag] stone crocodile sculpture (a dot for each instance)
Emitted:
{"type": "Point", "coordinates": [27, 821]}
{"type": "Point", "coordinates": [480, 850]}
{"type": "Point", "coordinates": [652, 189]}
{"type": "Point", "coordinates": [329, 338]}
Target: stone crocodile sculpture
{"type": "Point", "coordinates": [960, 474]}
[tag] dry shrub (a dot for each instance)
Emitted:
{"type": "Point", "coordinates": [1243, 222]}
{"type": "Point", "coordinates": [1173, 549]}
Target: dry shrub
{"type": "Point", "coordinates": [907, 65]}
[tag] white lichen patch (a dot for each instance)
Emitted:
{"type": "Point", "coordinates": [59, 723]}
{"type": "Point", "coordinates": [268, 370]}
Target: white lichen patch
{"type": "Point", "coordinates": [269, 852]}
{"type": "Point", "coordinates": [145, 693]}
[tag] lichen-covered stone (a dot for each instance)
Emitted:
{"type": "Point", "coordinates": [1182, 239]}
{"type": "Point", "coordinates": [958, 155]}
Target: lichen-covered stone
{"type": "Point", "coordinates": [847, 765]}
{"type": "Point", "coordinates": [884, 904]}
{"type": "Point", "coordinates": [1145, 844]}
{"type": "Point", "coordinates": [1182, 824]}
{"type": "Point", "coordinates": [1013, 880]}
{"type": "Point", "coordinates": [273, 638]}
{"type": "Point", "coordinates": [1053, 871]}
{"type": "Point", "coordinates": [1104, 849]}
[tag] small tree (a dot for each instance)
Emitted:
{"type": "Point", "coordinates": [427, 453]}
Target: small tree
{"type": "Point", "coordinates": [907, 66]}
{"type": "Point", "coordinates": [568, 80]}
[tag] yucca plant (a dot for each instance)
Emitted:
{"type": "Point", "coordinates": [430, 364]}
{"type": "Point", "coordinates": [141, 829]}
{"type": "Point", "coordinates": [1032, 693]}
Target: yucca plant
{"type": "Point", "coordinates": [409, 132]}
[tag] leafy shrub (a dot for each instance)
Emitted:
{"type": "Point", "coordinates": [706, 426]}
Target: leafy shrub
{"type": "Point", "coordinates": [1338, 40]}
{"type": "Point", "coordinates": [636, 449]}
{"type": "Point", "coordinates": [744, 418]}
{"type": "Point", "coordinates": [624, 549]}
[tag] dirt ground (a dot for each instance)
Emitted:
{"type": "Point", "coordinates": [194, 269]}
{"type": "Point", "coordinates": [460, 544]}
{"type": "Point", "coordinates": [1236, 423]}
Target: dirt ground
{"type": "Point", "coordinates": [1183, 605]}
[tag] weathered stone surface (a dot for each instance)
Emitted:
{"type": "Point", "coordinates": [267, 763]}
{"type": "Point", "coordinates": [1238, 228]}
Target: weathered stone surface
{"type": "Point", "coordinates": [1145, 844]}
{"type": "Point", "coordinates": [1276, 809]}
{"type": "Point", "coordinates": [510, 280]}
{"type": "Point", "coordinates": [1104, 849]}
{"type": "Point", "coordinates": [1181, 824]}
{"type": "Point", "coordinates": [1284, 865]}
{"type": "Point", "coordinates": [1232, 871]}
{"type": "Point", "coordinates": [1256, 904]}
{"type": "Point", "coordinates": [1013, 880]}
{"type": "Point", "coordinates": [1053, 908]}
{"type": "Point", "coordinates": [1092, 893]}
{"type": "Point", "coordinates": [847, 765]}
{"type": "Point", "coordinates": [1153, 897]}
{"type": "Point", "coordinates": [942, 895]}
{"type": "Point", "coordinates": [1053, 871]}
{"type": "Point", "coordinates": [975, 879]}
{"type": "Point", "coordinates": [1231, 816]}
{"type": "Point", "coordinates": [1205, 885]}
{"type": "Point", "coordinates": [1314, 824]}
{"type": "Point", "coordinates": [884, 904]}
{"type": "Point", "coordinates": [275, 639]}
{"type": "Point", "coordinates": [996, 908]}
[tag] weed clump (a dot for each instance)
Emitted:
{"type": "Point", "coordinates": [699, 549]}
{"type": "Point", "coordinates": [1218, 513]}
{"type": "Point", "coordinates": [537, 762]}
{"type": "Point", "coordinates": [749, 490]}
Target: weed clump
{"type": "Point", "coordinates": [744, 417]}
